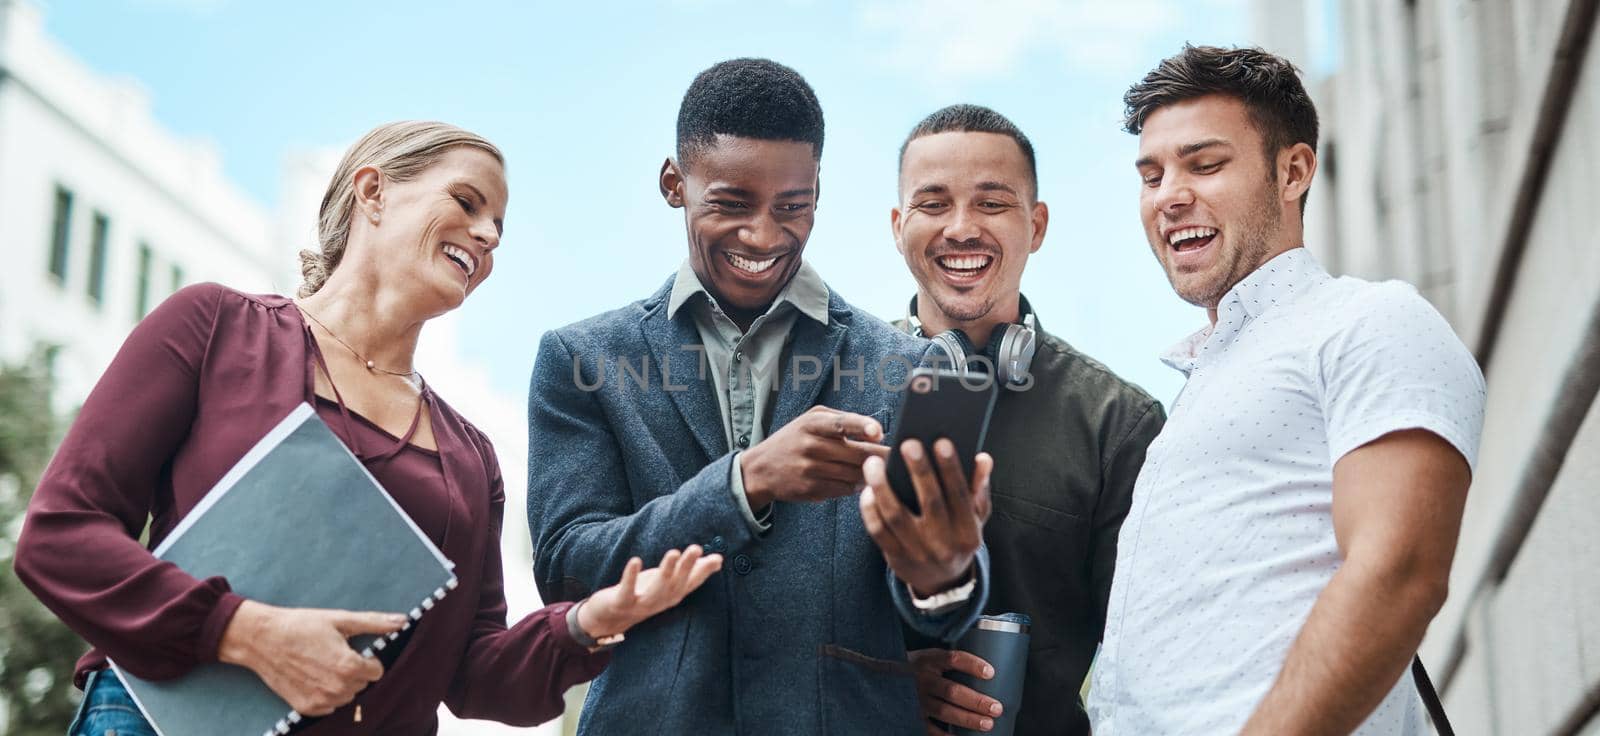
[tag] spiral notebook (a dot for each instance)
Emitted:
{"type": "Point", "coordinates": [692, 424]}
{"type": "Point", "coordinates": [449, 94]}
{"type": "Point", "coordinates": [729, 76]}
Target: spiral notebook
{"type": "Point", "coordinates": [297, 522]}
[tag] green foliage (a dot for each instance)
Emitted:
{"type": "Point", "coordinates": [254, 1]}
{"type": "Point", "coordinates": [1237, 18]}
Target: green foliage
{"type": "Point", "coordinates": [27, 424]}
{"type": "Point", "coordinates": [36, 651]}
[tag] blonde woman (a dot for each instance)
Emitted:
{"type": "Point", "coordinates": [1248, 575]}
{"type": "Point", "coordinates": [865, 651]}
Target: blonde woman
{"type": "Point", "coordinates": [408, 229]}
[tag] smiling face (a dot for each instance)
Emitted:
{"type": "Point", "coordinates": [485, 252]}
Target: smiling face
{"type": "Point", "coordinates": [966, 223]}
{"type": "Point", "coordinates": [1214, 207]}
{"type": "Point", "coordinates": [438, 231]}
{"type": "Point", "coordinates": [749, 205]}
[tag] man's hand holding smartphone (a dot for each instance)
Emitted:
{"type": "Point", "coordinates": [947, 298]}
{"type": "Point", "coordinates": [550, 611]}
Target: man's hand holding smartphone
{"type": "Point", "coordinates": [932, 551]}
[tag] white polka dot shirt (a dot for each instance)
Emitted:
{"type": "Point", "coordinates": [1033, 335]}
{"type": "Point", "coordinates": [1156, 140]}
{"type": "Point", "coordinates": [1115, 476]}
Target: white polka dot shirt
{"type": "Point", "coordinates": [1230, 537]}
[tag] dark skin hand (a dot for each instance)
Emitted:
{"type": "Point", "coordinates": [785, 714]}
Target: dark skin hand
{"type": "Point", "coordinates": [932, 551]}
{"type": "Point", "coordinates": [816, 457]}
{"type": "Point", "coordinates": [943, 699]}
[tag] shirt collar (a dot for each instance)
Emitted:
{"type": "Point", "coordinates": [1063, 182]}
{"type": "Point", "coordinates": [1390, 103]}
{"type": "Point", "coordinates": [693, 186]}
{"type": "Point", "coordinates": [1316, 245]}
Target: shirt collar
{"type": "Point", "coordinates": [805, 291]}
{"type": "Point", "coordinates": [1275, 283]}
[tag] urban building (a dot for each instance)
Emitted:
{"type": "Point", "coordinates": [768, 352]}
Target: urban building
{"type": "Point", "coordinates": [1458, 153]}
{"type": "Point", "coordinates": [103, 212]}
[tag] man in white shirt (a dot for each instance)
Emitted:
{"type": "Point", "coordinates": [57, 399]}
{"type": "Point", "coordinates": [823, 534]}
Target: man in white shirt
{"type": "Point", "coordinates": [1293, 525]}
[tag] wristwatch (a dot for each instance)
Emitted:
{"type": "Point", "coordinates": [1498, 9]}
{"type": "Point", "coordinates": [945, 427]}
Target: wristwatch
{"type": "Point", "coordinates": [609, 641]}
{"type": "Point", "coordinates": [946, 601]}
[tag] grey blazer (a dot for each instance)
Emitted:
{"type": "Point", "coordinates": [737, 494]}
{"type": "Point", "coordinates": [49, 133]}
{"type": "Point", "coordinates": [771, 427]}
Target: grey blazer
{"type": "Point", "coordinates": [801, 631]}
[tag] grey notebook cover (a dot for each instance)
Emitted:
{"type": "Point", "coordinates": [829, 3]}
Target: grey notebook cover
{"type": "Point", "coordinates": [298, 522]}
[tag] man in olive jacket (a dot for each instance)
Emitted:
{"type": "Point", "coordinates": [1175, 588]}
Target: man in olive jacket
{"type": "Point", "coordinates": [1067, 435]}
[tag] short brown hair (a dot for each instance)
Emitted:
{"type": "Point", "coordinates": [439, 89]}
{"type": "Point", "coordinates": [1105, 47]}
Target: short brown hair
{"type": "Point", "coordinates": [1268, 85]}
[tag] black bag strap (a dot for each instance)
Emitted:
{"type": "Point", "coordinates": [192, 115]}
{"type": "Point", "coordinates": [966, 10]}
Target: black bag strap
{"type": "Point", "coordinates": [1430, 698]}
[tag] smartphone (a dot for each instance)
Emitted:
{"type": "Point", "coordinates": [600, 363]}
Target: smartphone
{"type": "Point", "coordinates": [940, 403]}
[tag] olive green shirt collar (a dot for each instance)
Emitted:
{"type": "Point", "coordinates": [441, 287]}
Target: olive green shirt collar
{"type": "Point", "coordinates": [805, 291]}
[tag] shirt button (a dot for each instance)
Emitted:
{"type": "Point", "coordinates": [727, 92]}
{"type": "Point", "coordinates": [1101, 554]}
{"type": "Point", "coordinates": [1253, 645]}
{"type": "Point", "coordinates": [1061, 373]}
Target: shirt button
{"type": "Point", "coordinates": [742, 565]}
{"type": "Point", "coordinates": [744, 440]}
{"type": "Point", "coordinates": [715, 545]}
{"type": "Point", "coordinates": [738, 355]}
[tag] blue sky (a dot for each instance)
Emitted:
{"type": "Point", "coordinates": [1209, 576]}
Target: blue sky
{"type": "Point", "coordinates": [583, 99]}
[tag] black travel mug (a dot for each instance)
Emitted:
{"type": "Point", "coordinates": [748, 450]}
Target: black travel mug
{"type": "Point", "coordinates": [1002, 641]}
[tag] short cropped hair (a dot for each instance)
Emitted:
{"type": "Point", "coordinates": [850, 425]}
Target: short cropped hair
{"type": "Point", "coordinates": [1268, 85]}
{"type": "Point", "coordinates": [974, 119]}
{"type": "Point", "coordinates": [748, 98]}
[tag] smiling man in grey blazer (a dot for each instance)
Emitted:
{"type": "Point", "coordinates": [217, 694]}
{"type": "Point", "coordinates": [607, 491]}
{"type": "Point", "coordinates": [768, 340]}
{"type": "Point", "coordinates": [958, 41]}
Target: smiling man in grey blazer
{"type": "Point", "coordinates": [742, 407]}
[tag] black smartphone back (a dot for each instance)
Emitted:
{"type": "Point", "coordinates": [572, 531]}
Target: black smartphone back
{"type": "Point", "coordinates": [939, 403]}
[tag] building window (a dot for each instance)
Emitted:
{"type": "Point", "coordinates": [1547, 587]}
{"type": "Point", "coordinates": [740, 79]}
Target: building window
{"type": "Point", "coordinates": [142, 289]}
{"type": "Point", "coordinates": [60, 234]}
{"type": "Point", "coordinates": [177, 277]}
{"type": "Point", "coordinates": [100, 232]}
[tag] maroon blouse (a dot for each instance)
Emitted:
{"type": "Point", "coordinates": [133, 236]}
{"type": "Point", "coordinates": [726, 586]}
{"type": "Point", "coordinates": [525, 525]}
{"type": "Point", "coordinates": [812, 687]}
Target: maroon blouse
{"type": "Point", "coordinates": [199, 381]}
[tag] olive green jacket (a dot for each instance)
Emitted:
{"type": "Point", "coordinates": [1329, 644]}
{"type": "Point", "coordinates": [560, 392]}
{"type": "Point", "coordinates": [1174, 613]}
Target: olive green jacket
{"type": "Point", "coordinates": [1066, 452]}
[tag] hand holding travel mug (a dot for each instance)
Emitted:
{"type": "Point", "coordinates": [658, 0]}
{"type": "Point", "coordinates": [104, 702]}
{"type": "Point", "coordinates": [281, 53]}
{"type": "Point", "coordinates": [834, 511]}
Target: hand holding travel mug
{"type": "Point", "coordinates": [1002, 641]}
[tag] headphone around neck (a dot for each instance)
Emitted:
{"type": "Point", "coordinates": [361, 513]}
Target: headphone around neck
{"type": "Point", "coordinates": [1009, 351]}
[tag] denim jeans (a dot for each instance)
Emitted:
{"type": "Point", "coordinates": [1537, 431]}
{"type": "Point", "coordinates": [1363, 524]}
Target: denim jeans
{"type": "Point", "coordinates": [108, 710]}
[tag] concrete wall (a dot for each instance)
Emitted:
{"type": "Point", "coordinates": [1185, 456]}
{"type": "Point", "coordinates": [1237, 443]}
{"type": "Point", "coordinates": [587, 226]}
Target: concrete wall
{"type": "Point", "coordinates": [1460, 155]}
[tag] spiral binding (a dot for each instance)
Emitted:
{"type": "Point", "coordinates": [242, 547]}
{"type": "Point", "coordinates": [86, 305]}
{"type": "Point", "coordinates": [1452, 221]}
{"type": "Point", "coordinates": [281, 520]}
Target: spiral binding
{"type": "Point", "coordinates": [288, 722]}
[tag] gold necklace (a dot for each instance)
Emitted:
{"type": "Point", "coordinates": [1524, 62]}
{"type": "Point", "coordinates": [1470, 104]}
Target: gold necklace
{"type": "Point", "coordinates": [371, 367]}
